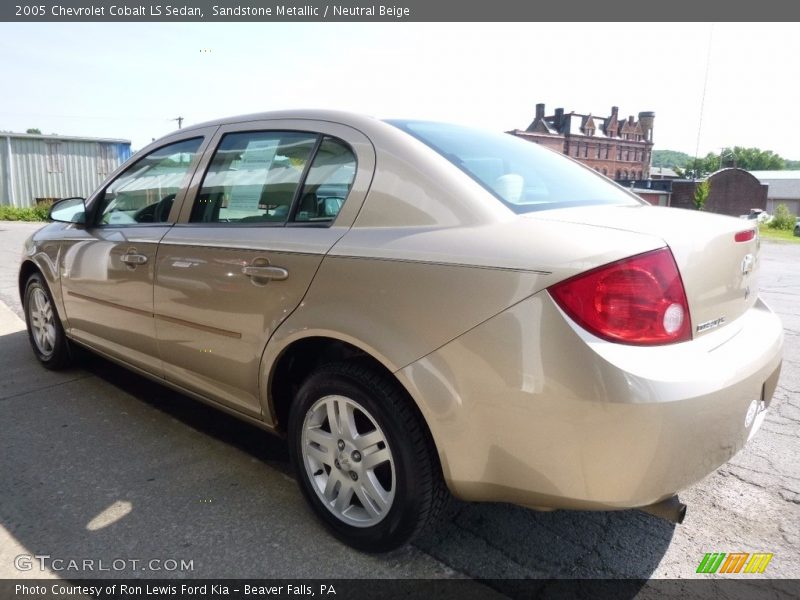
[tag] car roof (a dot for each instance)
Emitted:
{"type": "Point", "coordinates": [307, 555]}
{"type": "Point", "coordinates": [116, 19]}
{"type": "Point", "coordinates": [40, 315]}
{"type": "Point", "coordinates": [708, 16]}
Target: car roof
{"type": "Point", "coordinates": [336, 116]}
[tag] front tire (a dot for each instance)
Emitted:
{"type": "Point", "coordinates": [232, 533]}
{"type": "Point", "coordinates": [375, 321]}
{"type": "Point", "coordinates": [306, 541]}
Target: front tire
{"type": "Point", "coordinates": [363, 457]}
{"type": "Point", "coordinates": [45, 332]}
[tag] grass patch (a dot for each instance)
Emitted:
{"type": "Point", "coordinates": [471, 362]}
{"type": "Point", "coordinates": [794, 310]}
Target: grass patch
{"type": "Point", "coordinates": [778, 235]}
{"type": "Point", "coordinates": [33, 213]}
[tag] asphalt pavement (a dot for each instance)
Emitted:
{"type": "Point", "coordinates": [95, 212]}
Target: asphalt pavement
{"type": "Point", "coordinates": [102, 464]}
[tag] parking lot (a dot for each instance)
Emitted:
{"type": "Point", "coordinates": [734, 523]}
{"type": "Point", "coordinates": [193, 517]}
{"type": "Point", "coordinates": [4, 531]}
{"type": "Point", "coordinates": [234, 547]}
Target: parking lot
{"type": "Point", "coordinates": [100, 463]}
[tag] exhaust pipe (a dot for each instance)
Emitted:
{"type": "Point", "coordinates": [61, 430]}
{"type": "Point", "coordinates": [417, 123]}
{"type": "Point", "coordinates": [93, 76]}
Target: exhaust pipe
{"type": "Point", "coordinates": [671, 509]}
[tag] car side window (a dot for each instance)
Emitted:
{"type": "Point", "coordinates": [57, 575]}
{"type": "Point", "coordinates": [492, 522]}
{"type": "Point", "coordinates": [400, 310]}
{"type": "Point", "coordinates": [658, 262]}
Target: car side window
{"type": "Point", "coordinates": [146, 191]}
{"type": "Point", "coordinates": [253, 177]}
{"type": "Point", "coordinates": [327, 184]}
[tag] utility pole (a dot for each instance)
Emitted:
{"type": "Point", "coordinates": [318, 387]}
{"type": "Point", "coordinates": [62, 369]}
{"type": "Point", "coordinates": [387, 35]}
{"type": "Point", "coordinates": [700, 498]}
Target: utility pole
{"type": "Point", "coordinates": [179, 120]}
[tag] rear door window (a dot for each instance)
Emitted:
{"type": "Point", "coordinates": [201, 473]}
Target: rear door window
{"type": "Point", "coordinates": [254, 177]}
{"type": "Point", "coordinates": [328, 183]}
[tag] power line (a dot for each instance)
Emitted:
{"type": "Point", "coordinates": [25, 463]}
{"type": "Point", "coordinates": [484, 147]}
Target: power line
{"type": "Point", "coordinates": [703, 101]}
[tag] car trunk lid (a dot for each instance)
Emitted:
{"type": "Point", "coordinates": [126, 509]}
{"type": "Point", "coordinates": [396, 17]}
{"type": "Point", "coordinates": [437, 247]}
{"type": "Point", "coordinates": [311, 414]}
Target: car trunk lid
{"type": "Point", "coordinates": [719, 273]}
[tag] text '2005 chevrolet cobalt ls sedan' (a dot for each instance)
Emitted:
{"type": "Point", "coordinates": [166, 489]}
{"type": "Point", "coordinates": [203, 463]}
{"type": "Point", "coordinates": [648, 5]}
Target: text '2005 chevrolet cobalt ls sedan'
{"type": "Point", "coordinates": [421, 309]}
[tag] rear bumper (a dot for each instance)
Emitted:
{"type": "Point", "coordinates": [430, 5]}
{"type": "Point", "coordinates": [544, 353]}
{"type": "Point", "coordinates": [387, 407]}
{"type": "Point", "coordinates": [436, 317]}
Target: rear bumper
{"type": "Point", "coordinates": [531, 409]}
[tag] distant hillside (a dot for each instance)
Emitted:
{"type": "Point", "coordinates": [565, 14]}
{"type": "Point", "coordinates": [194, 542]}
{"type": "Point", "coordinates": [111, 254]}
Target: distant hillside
{"type": "Point", "coordinates": [758, 161]}
{"type": "Point", "coordinates": [670, 158]}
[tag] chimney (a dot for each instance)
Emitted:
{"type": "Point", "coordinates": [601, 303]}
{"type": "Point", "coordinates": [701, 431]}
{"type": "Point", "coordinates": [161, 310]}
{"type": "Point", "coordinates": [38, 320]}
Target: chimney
{"type": "Point", "coordinates": [615, 111]}
{"type": "Point", "coordinates": [559, 118]}
{"type": "Point", "coordinates": [540, 111]}
{"type": "Point", "coordinates": [630, 120]}
{"type": "Point", "coordinates": [646, 122]}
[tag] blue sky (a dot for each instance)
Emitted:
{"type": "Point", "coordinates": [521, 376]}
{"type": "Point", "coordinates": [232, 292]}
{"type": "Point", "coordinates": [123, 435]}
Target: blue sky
{"type": "Point", "coordinates": [129, 80]}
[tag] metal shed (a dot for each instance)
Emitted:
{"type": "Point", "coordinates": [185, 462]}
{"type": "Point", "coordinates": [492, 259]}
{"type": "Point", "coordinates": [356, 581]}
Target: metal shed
{"type": "Point", "coordinates": [784, 188]}
{"type": "Point", "coordinates": [36, 167]}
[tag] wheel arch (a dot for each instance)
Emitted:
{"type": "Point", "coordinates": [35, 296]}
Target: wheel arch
{"type": "Point", "coordinates": [298, 358]}
{"type": "Point", "coordinates": [26, 269]}
{"type": "Point", "coordinates": [31, 265]}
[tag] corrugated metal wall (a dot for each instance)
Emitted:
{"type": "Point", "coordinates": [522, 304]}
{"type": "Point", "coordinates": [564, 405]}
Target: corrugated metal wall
{"type": "Point", "coordinates": [792, 205]}
{"type": "Point", "coordinates": [4, 191]}
{"type": "Point", "coordinates": [74, 172]}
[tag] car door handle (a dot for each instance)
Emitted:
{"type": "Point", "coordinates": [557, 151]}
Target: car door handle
{"type": "Point", "coordinates": [266, 272]}
{"type": "Point", "coordinates": [134, 259]}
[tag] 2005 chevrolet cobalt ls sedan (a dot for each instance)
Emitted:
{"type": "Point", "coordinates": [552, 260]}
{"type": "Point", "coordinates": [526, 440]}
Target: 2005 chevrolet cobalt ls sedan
{"type": "Point", "coordinates": [421, 309]}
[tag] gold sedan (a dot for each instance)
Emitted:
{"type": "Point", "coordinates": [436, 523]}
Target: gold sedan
{"type": "Point", "coordinates": [421, 309]}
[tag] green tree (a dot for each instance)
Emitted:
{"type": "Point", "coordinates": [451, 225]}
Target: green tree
{"type": "Point", "coordinates": [701, 194]}
{"type": "Point", "coordinates": [792, 164]}
{"type": "Point", "coordinates": [754, 159]}
{"type": "Point", "coordinates": [749, 159]}
{"type": "Point", "coordinates": [697, 168]}
{"type": "Point", "coordinates": [782, 219]}
{"type": "Point", "coordinates": [34, 130]}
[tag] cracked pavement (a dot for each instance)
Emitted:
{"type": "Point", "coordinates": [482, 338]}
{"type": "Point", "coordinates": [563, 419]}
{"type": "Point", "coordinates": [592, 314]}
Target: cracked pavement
{"type": "Point", "coordinates": [198, 484]}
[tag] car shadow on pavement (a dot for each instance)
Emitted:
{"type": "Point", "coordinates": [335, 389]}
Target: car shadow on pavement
{"type": "Point", "coordinates": [87, 445]}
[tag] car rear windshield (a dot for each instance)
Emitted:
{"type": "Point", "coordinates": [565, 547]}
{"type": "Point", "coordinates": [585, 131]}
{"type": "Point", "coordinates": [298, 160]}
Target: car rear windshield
{"type": "Point", "coordinates": [523, 175]}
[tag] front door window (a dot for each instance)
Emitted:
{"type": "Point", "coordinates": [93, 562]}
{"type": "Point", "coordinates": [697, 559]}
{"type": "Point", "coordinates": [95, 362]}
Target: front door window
{"type": "Point", "coordinates": [146, 191]}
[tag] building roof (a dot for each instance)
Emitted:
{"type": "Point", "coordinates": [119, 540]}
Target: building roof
{"type": "Point", "coordinates": [783, 185]}
{"type": "Point", "coordinates": [578, 124]}
{"type": "Point", "coordinates": [783, 174]}
{"type": "Point", "coordinates": [641, 190]}
{"type": "Point", "coordinates": [663, 172]}
{"type": "Point", "coordinates": [65, 138]}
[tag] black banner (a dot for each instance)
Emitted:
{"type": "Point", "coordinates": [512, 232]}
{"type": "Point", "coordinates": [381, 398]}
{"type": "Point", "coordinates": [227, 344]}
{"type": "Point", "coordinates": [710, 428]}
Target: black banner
{"type": "Point", "coordinates": [395, 10]}
{"type": "Point", "coordinates": [731, 588]}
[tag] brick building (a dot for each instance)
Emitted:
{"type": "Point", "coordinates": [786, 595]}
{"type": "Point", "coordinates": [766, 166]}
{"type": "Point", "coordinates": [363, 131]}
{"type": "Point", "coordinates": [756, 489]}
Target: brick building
{"type": "Point", "coordinates": [733, 192]}
{"type": "Point", "coordinates": [618, 148]}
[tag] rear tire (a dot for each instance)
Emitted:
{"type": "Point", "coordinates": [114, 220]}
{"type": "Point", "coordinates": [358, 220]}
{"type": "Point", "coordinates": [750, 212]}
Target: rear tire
{"type": "Point", "coordinates": [373, 477]}
{"type": "Point", "coordinates": [45, 331]}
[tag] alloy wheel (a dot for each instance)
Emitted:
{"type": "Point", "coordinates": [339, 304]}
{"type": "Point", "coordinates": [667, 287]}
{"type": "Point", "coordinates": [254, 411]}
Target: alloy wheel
{"type": "Point", "coordinates": [348, 461]}
{"type": "Point", "coordinates": [42, 322]}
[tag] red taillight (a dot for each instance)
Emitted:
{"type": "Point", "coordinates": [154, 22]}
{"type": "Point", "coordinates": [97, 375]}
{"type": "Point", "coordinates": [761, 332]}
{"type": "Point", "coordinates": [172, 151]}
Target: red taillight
{"type": "Point", "coordinates": [638, 300]}
{"type": "Point", "coordinates": [745, 236]}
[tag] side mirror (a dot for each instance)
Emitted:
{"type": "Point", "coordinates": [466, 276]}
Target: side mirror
{"type": "Point", "coordinates": [68, 210]}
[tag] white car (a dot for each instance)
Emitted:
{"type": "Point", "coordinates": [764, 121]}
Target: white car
{"type": "Point", "coordinates": [759, 215]}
